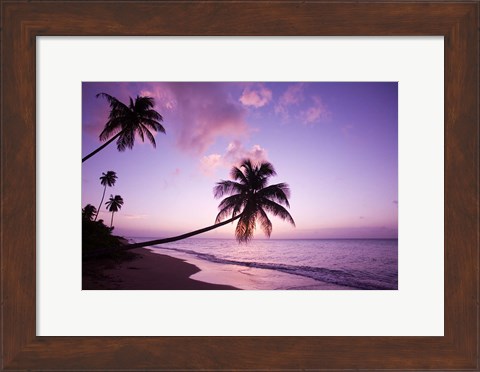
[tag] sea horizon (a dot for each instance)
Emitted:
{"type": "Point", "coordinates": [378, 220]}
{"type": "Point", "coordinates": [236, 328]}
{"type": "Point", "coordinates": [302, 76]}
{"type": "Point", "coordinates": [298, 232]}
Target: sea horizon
{"type": "Point", "coordinates": [145, 238]}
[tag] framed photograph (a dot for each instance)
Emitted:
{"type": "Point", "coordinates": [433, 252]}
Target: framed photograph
{"type": "Point", "coordinates": [384, 125]}
{"type": "Point", "coordinates": [234, 138]}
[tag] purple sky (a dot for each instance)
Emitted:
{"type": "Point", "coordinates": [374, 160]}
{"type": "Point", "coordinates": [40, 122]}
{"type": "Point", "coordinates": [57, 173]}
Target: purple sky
{"type": "Point", "coordinates": [335, 144]}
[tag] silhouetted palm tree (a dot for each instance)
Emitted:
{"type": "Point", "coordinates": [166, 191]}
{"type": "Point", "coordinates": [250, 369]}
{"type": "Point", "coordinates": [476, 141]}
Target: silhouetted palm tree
{"type": "Point", "coordinates": [250, 198]}
{"type": "Point", "coordinates": [124, 121]}
{"type": "Point", "coordinates": [88, 212]}
{"type": "Point", "coordinates": [249, 201]}
{"type": "Point", "coordinates": [107, 179]}
{"type": "Point", "coordinates": [114, 204]}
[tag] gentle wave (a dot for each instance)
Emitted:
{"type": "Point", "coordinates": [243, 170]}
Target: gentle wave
{"type": "Point", "coordinates": [352, 278]}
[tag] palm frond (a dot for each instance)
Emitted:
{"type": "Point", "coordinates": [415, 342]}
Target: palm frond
{"type": "Point", "coordinates": [114, 203]}
{"type": "Point", "coordinates": [140, 129]}
{"type": "Point", "coordinates": [143, 103]}
{"type": "Point", "coordinates": [238, 175]}
{"type": "Point", "coordinates": [227, 187]}
{"type": "Point", "coordinates": [112, 127]}
{"type": "Point", "coordinates": [126, 140]}
{"type": "Point", "coordinates": [278, 193]}
{"type": "Point", "coordinates": [152, 124]}
{"type": "Point", "coordinates": [266, 169]}
{"type": "Point", "coordinates": [115, 104]}
{"type": "Point", "coordinates": [150, 137]}
{"type": "Point", "coordinates": [108, 179]}
{"type": "Point", "coordinates": [245, 228]}
{"type": "Point", "coordinates": [89, 211]}
{"type": "Point", "coordinates": [247, 164]}
{"type": "Point", "coordinates": [265, 222]}
{"type": "Point", "coordinates": [152, 115]}
{"type": "Point", "coordinates": [230, 205]}
{"type": "Point", "coordinates": [277, 210]}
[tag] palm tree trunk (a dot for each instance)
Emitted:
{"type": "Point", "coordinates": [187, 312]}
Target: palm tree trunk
{"type": "Point", "coordinates": [103, 146]}
{"type": "Point", "coordinates": [180, 237]}
{"type": "Point", "coordinates": [101, 201]}
{"type": "Point", "coordinates": [159, 241]}
{"type": "Point", "coordinates": [111, 222]}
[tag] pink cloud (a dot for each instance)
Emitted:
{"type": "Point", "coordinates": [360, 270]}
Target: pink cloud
{"type": "Point", "coordinates": [316, 112]}
{"type": "Point", "coordinates": [163, 98]}
{"type": "Point", "coordinates": [134, 216]}
{"type": "Point", "coordinates": [201, 113]}
{"type": "Point", "coordinates": [234, 154]}
{"type": "Point", "coordinates": [257, 96]}
{"type": "Point", "coordinates": [209, 163]}
{"type": "Point", "coordinates": [293, 95]}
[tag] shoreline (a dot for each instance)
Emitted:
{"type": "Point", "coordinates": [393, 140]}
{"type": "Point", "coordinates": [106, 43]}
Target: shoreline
{"type": "Point", "coordinates": [248, 278]}
{"type": "Point", "coordinates": [145, 271]}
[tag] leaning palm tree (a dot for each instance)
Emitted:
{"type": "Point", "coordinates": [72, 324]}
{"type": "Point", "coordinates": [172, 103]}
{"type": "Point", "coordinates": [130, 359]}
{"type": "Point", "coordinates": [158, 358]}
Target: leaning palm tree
{"type": "Point", "coordinates": [107, 179]}
{"type": "Point", "coordinates": [250, 199]}
{"type": "Point", "coordinates": [126, 121]}
{"type": "Point", "coordinates": [88, 212]}
{"type": "Point", "coordinates": [114, 204]}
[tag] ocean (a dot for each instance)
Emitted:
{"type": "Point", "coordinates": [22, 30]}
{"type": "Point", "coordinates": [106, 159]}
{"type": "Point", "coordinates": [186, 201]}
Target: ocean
{"type": "Point", "coordinates": [347, 264]}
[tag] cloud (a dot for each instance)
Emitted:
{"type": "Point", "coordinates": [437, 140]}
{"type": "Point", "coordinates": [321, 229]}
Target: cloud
{"type": "Point", "coordinates": [164, 100]}
{"type": "Point", "coordinates": [199, 113]}
{"type": "Point", "coordinates": [236, 152]}
{"type": "Point", "coordinates": [257, 97]}
{"type": "Point", "coordinates": [293, 95]}
{"type": "Point", "coordinates": [209, 163]}
{"type": "Point", "coordinates": [316, 112]}
{"type": "Point", "coordinates": [294, 98]}
{"type": "Point", "coordinates": [233, 156]}
{"type": "Point", "coordinates": [134, 216]}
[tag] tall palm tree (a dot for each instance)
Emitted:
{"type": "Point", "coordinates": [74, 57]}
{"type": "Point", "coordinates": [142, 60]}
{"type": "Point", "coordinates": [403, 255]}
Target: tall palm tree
{"type": "Point", "coordinates": [107, 179]}
{"type": "Point", "coordinates": [125, 121]}
{"type": "Point", "coordinates": [114, 204]}
{"type": "Point", "coordinates": [88, 212]}
{"type": "Point", "coordinates": [249, 201]}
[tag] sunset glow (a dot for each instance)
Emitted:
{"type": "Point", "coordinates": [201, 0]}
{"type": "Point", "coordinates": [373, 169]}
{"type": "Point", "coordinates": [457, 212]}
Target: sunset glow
{"type": "Point", "coordinates": [335, 144]}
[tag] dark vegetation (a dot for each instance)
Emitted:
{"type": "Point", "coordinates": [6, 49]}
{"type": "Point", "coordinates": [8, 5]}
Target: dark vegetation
{"type": "Point", "coordinates": [97, 237]}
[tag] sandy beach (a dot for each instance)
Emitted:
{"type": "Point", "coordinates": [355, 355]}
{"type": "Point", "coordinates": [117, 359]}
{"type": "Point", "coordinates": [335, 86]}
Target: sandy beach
{"type": "Point", "coordinates": [146, 270]}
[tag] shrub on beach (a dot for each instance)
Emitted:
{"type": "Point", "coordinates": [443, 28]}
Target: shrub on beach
{"type": "Point", "coordinates": [97, 236]}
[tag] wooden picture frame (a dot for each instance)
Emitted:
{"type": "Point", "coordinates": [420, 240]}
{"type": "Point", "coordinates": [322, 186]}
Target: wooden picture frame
{"type": "Point", "coordinates": [23, 21]}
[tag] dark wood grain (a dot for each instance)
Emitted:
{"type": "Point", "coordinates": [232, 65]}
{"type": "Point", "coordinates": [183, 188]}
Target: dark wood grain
{"type": "Point", "coordinates": [22, 22]}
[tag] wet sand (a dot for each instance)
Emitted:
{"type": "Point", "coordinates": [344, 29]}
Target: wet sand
{"type": "Point", "coordinates": [145, 271]}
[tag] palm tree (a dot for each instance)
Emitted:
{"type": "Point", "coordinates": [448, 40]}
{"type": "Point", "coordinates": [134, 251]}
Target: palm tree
{"type": "Point", "coordinates": [107, 179]}
{"type": "Point", "coordinates": [114, 204]}
{"type": "Point", "coordinates": [88, 212]}
{"type": "Point", "coordinates": [125, 121]}
{"type": "Point", "coordinates": [250, 194]}
{"type": "Point", "coordinates": [249, 201]}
